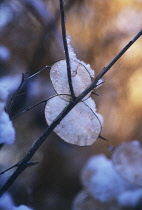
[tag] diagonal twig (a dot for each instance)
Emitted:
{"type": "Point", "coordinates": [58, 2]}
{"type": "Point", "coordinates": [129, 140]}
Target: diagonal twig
{"type": "Point", "coordinates": [33, 106]}
{"type": "Point", "coordinates": [30, 163]}
{"type": "Point", "coordinates": [33, 75]}
{"type": "Point", "coordinates": [23, 80]}
{"type": "Point", "coordinates": [15, 165]}
{"type": "Point", "coordinates": [23, 163]}
{"type": "Point", "coordinates": [17, 93]}
{"type": "Point", "coordinates": [66, 49]}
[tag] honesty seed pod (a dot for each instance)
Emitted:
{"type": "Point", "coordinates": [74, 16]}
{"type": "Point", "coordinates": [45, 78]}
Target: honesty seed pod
{"type": "Point", "coordinates": [81, 78]}
{"type": "Point", "coordinates": [80, 126]}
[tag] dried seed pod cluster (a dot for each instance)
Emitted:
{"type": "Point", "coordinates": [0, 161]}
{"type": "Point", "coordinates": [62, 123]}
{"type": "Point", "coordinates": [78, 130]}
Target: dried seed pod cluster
{"type": "Point", "coordinates": [82, 125]}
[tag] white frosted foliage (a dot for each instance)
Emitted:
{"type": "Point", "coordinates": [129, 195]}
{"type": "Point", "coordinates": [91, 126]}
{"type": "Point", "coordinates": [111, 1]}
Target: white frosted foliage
{"type": "Point", "coordinates": [130, 198]}
{"type": "Point", "coordinates": [81, 78]}
{"type": "Point", "coordinates": [101, 180]}
{"type": "Point", "coordinates": [10, 83]}
{"type": "Point", "coordinates": [127, 161]}
{"type": "Point", "coordinates": [22, 207]}
{"type": "Point", "coordinates": [7, 131]}
{"type": "Point", "coordinates": [80, 126]}
{"type": "Point", "coordinates": [6, 203]}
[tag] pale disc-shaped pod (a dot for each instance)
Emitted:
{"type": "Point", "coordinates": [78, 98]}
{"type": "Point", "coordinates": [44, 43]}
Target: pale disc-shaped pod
{"type": "Point", "coordinates": [81, 78]}
{"type": "Point", "coordinates": [127, 161]}
{"type": "Point", "coordinates": [80, 126]}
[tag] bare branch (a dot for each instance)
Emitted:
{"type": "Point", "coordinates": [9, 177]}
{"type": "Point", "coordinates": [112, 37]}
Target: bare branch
{"type": "Point", "coordinates": [103, 138]}
{"type": "Point", "coordinates": [9, 168]}
{"type": "Point", "coordinates": [105, 69]}
{"type": "Point", "coordinates": [23, 163]}
{"type": "Point", "coordinates": [23, 80]}
{"type": "Point", "coordinates": [32, 163]}
{"type": "Point", "coordinates": [66, 49]}
{"type": "Point", "coordinates": [33, 106]}
{"type": "Point", "coordinates": [17, 93]}
{"type": "Point", "coordinates": [29, 108]}
{"type": "Point", "coordinates": [38, 72]}
{"type": "Point", "coordinates": [95, 93]}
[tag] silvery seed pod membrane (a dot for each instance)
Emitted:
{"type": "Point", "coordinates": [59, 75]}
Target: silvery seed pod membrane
{"type": "Point", "coordinates": [81, 78]}
{"type": "Point", "coordinates": [80, 126]}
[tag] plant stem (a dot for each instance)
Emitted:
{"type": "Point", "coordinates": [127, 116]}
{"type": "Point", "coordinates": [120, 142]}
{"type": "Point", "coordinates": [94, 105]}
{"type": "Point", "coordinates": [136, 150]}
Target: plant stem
{"type": "Point", "coordinates": [38, 72]}
{"type": "Point", "coordinates": [66, 49]}
{"type": "Point", "coordinates": [16, 94]}
{"type": "Point", "coordinates": [23, 164]}
{"type": "Point", "coordinates": [23, 80]}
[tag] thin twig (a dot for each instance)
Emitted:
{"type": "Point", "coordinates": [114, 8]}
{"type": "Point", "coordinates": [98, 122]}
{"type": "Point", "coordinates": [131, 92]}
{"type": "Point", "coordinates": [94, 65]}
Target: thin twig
{"type": "Point", "coordinates": [23, 163]}
{"type": "Point", "coordinates": [95, 93]}
{"type": "Point", "coordinates": [33, 106]}
{"type": "Point", "coordinates": [100, 83]}
{"type": "Point", "coordinates": [97, 86]}
{"type": "Point", "coordinates": [9, 168]}
{"type": "Point", "coordinates": [105, 69]}
{"type": "Point", "coordinates": [23, 80]}
{"type": "Point", "coordinates": [33, 75]}
{"type": "Point", "coordinates": [103, 138]}
{"type": "Point", "coordinates": [29, 108]}
{"type": "Point", "coordinates": [66, 49]}
{"type": "Point", "coordinates": [17, 93]}
{"type": "Point", "coordinates": [30, 163]}
{"type": "Point", "coordinates": [50, 29]}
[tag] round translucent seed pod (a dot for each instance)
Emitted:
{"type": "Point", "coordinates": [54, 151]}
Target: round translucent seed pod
{"type": "Point", "coordinates": [80, 76]}
{"type": "Point", "coordinates": [80, 126]}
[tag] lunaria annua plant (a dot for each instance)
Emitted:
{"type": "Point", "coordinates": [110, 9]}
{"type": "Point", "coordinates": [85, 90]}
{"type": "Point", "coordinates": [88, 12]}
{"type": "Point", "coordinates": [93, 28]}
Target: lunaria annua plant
{"type": "Point", "coordinates": [82, 125]}
{"type": "Point", "coordinates": [74, 119]}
